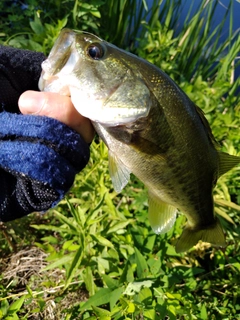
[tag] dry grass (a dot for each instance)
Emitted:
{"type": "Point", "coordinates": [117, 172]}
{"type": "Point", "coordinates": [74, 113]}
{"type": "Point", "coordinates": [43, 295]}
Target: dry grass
{"type": "Point", "coordinates": [26, 267]}
{"type": "Point", "coordinates": [24, 264]}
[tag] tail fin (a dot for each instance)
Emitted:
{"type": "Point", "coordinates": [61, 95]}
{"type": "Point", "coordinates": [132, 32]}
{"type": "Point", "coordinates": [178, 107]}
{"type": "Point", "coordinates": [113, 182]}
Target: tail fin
{"type": "Point", "coordinates": [190, 237]}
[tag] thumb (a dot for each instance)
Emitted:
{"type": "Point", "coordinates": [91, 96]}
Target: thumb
{"type": "Point", "coordinates": [43, 103]}
{"type": "Point", "coordinates": [56, 106]}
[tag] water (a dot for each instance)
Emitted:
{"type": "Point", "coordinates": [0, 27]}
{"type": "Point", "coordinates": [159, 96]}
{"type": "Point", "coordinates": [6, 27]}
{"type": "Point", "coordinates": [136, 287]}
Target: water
{"type": "Point", "coordinates": [218, 17]}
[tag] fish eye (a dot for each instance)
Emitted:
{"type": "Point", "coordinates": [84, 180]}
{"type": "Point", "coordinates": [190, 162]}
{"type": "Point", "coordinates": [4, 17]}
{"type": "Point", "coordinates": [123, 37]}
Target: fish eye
{"type": "Point", "coordinates": [95, 51]}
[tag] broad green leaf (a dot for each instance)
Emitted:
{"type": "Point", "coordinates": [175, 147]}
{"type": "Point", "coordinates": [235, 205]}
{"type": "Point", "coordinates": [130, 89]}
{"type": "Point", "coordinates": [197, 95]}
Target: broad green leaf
{"type": "Point", "coordinates": [119, 225]}
{"type": "Point", "coordinates": [67, 244]}
{"type": "Point", "coordinates": [16, 305]}
{"type": "Point", "coordinates": [110, 282]}
{"type": "Point", "coordinates": [74, 266]}
{"type": "Point", "coordinates": [150, 242]}
{"type": "Point", "coordinates": [36, 25]}
{"type": "Point", "coordinates": [142, 267]}
{"type": "Point", "coordinates": [150, 315]}
{"type": "Point", "coordinates": [145, 295]}
{"type": "Point", "coordinates": [89, 281]}
{"type": "Point", "coordinates": [124, 274]}
{"type": "Point", "coordinates": [50, 239]}
{"type": "Point", "coordinates": [115, 296]}
{"type": "Point", "coordinates": [49, 227]}
{"type": "Point", "coordinates": [155, 265]}
{"type": "Point", "coordinates": [204, 314]}
{"type": "Point", "coordinates": [29, 291]}
{"type": "Point", "coordinates": [101, 297]}
{"type": "Point", "coordinates": [60, 262]}
{"type": "Point", "coordinates": [103, 265]}
{"type": "Point", "coordinates": [4, 307]}
{"type": "Point", "coordinates": [103, 241]}
{"type": "Point", "coordinates": [13, 316]}
{"type": "Point", "coordinates": [102, 313]}
{"type": "Point", "coordinates": [68, 221]}
{"type": "Point", "coordinates": [96, 14]}
{"type": "Point", "coordinates": [131, 307]}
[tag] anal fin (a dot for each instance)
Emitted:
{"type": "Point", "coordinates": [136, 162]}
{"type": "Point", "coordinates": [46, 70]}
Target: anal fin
{"type": "Point", "coordinates": [161, 214]}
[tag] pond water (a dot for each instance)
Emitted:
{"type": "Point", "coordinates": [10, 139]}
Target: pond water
{"type": "Point", "coordinates": [220, 12]}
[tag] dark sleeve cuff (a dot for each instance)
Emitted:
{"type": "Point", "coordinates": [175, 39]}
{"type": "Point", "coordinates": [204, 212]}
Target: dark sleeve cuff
{"type": "Point", "coordinates": [39, 158]}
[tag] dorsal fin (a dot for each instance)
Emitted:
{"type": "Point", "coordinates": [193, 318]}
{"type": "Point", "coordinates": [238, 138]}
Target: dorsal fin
{"type": "Point", "coordinates": [206, 126]}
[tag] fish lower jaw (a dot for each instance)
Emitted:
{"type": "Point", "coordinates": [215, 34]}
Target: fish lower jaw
{"type": "Point", "coordinates": [97, 111]}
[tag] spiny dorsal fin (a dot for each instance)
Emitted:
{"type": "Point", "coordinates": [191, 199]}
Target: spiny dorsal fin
{"type": "Point", "coordinates": [206, 125]}
{"type": "Point", "coordinates": [161, 214]}
{"type": "Point", "coordinates": [120, 174]}
{"type": "Point", "coordinates": [227, 162]}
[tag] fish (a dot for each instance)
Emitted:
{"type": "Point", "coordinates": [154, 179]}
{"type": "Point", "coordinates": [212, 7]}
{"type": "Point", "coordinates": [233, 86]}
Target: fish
{"type": "Point", "coordinates": [151, 128]}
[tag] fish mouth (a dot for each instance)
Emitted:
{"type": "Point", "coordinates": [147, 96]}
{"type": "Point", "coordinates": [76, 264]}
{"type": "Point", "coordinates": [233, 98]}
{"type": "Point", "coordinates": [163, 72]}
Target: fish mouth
{"type": "Point", "coordinates": [58, 68]}
{"type": "Point", "coordinates": [58, 58]}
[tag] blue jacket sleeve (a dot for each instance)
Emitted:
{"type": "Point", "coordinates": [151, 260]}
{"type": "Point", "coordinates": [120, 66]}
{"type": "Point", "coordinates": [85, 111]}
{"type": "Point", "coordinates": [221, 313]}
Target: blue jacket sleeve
{"type": "Point", "coordinates": [39, 156]}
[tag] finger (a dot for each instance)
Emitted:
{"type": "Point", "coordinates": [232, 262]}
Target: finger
{"type": "Point", "coordinates": [56, 106]}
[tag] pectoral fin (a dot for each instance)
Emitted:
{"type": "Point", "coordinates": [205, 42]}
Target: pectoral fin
{"type": "Point", "coordinates": [119, 173]}
{"type": "Point", "coordinates": [190, 237]}
{"type": "Point", "coordinates": [161, 215]}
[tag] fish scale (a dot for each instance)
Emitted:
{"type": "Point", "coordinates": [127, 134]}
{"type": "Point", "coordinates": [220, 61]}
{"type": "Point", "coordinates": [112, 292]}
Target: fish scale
{"type": "Point", "coordinates": [151, 128]}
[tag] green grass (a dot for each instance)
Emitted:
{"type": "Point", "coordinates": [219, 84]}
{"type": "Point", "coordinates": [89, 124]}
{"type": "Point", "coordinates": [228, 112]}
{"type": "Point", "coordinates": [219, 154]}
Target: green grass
{"type": "Point", "coordinates": [95, 256]}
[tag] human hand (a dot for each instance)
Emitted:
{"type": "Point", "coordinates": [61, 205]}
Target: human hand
{"type": "Point", "coordinates": [56, 106]}
{"type": "Point", "coordinates": [39, 156]}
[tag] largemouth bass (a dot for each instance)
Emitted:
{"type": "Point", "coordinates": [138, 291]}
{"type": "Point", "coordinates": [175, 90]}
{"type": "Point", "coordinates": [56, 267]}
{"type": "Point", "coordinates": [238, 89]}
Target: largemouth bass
{"type": "Point", "coordinates": [151, 128]}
